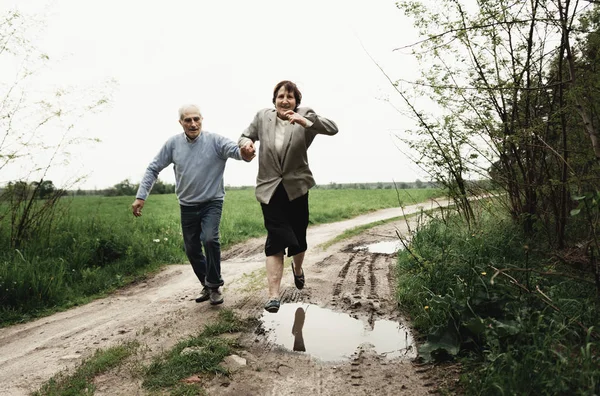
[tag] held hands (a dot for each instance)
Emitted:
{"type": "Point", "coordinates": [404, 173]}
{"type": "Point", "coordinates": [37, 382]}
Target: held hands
{"type": "Point", "coordinates": [294, 118]}
{"type": "Point", "coordinates": [248, 152]}
{"type": "Point", "coordinates": [137, 206]}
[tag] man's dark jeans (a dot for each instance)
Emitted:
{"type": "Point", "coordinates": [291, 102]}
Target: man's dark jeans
{"type": "Point", "coordinates": [200, 226]}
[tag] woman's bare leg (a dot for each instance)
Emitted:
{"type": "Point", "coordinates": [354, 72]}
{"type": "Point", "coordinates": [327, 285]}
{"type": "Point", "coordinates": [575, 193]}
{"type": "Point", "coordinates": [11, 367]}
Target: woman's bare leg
{"type": "Point", "coordinates": [274, 274]}
{"type": "Point", "coordinates": [298, 260]}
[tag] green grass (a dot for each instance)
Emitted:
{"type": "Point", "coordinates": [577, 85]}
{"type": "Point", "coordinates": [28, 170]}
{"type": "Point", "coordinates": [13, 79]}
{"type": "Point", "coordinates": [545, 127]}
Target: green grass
{"type": "Point", "coordinates": [167, 370]}
{"type": "Point", "coordinates": [333, 205]}
{"type": "Point", "coordinates": [96, 245]}
{"type": "Point", "coordinates": [81, 381]}
{"type": "Point", "coordinates": [510, 338]}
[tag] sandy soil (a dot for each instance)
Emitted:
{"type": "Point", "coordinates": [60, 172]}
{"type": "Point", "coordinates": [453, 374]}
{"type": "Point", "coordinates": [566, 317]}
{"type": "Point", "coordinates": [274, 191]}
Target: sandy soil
{"type": "Point", "coordinates": [161, 311]}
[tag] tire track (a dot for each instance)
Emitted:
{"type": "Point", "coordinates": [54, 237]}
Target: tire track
{"type": "Point", "coordinates": [243, 251]}
{"type": "Point", "coordinates": [326, 262]}
{"type": "Point", "coordinates": [360, 278]}
{"type": "Point", "coordinates": [337, 288]}
{"type": "Point", "coordinates": [372, 278]}
{"type": "Point", "coordinates": [391, 276]}
{"type": "Point", "coordinates": [356, 374]}
{"type": "Point", "coordinates": [290, 295]}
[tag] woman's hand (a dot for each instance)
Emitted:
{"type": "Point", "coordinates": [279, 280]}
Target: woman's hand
{"type": "Point", "coordinates": [248, 152]}
{"type": "Point", "coordinates": [294, 118]}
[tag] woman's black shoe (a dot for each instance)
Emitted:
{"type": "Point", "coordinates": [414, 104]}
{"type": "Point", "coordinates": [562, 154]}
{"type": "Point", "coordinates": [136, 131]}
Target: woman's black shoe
{"type": "Point", "coordinates": [298, 279]}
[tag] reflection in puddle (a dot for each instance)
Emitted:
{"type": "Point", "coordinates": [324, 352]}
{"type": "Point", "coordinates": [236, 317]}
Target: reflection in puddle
{"type": "Point", "coordinates": [334, 336]}
{"type": "Point", "coordinates": [389, 247]}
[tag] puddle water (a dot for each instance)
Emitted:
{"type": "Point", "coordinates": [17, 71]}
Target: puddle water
{"type": "Point", "coordinates": [389, 247]}
{"type": "Point", "coordinates": [333, 336]}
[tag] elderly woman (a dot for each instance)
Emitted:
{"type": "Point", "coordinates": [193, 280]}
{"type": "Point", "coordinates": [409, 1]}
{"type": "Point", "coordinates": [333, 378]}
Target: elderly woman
{"type": "Point", "coordinates": [284, 178]}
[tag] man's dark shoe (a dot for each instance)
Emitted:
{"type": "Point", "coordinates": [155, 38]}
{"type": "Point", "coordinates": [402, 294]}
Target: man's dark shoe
{"type": "Point", "coordinates": [204, 296]}
{"type": "Point", "coordinates": [215, 297]}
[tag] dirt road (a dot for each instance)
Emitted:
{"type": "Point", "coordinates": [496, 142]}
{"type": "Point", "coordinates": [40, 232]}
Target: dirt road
{"type": "Point", "coordinates": [161, 311]}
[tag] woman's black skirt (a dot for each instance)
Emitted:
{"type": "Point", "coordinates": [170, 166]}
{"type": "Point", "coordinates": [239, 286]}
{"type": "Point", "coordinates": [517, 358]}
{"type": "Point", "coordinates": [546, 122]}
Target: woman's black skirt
{"type": "Point", "coordinates": [286, 223]}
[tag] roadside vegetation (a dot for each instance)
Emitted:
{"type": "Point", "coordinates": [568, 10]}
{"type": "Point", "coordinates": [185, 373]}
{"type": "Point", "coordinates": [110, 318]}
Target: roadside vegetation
{"type": "Point", "coordinates": [198, 355]}
{"type": "Point", "coordinates": [93, 245]}
{"type": "Point", "coordinates": [509, 288]}
{"type": "Point", "coordinates": [520, 317]}
{"type": "Point", "coordinates": [81, 381]}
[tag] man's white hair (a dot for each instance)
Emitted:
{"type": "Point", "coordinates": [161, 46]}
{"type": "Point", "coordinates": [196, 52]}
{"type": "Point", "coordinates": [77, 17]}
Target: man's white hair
{"type": "Point", "coordinates": [185, 107]}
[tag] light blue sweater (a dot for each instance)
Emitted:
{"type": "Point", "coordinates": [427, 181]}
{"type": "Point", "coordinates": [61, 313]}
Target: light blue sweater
{"type": "Point", "coordinates": [198, 167]}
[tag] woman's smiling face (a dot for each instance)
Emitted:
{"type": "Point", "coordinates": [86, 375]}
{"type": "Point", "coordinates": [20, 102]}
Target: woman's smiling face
{"type": "Point", "coordinates": [284, 101]}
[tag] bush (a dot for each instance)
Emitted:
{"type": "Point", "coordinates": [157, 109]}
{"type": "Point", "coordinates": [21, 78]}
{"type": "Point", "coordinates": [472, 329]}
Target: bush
{"type": "Point", "coordinates": [499, 303]}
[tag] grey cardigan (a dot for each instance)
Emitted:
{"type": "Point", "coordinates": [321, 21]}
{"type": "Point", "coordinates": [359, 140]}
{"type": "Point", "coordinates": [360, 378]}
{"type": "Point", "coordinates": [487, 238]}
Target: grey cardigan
{"type": "Point", "coordinates": [293, 168]}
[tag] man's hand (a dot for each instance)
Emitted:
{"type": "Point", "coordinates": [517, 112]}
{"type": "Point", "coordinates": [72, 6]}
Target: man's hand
{"type": "Point", "coordinates": [137, 206]}
{"type": "Point", "coordinates": [294, 118]}
{"type": "Point", "coordinates": [248, 151]}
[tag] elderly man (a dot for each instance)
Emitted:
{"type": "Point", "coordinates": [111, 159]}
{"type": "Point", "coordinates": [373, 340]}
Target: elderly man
{"type": "Point", "coordinates": [198, 159]}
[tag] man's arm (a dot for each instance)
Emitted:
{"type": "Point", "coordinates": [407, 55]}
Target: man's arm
{"type": "Point", "coordinates": [227, 148]}
{"type": "Point", "coordinates": [163, 159]}
{"type": "Point", "coordinates": [248, 137]}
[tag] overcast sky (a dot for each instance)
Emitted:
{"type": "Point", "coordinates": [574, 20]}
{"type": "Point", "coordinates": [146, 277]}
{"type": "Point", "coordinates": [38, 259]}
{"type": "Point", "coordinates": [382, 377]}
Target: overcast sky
{"type": "Point", "coordinates": [227, 56]}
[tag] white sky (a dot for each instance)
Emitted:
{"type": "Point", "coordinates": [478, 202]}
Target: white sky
{"type": "Point", "coordinates": [227, 56]}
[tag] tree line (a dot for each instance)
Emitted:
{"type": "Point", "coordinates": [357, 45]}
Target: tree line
{"type": "Point", "coordinates": [45, 188]}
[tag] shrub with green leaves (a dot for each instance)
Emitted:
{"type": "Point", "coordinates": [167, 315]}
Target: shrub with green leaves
{"type": "Point", "coordinates": [499, 303]}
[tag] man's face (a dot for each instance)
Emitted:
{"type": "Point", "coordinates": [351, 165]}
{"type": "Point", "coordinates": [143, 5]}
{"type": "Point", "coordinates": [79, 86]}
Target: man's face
{"type": "Point", "coordinates": [191, 121]}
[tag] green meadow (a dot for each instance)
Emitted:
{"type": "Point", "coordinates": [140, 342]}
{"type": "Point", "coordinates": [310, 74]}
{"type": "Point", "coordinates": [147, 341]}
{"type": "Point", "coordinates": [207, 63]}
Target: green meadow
{"type": "Point", "coordinates": [95, 245]}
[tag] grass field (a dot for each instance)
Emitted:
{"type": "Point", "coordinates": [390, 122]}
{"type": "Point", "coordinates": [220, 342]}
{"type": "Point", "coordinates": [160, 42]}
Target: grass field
{"type": "Point", "coordinates": [96, 245]}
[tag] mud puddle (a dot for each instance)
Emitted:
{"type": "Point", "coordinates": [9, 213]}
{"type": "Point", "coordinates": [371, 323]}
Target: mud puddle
{"type": "Point", "coordinates": [383, 247]}
{"type": "Point", "coordinates": [332, 336]}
